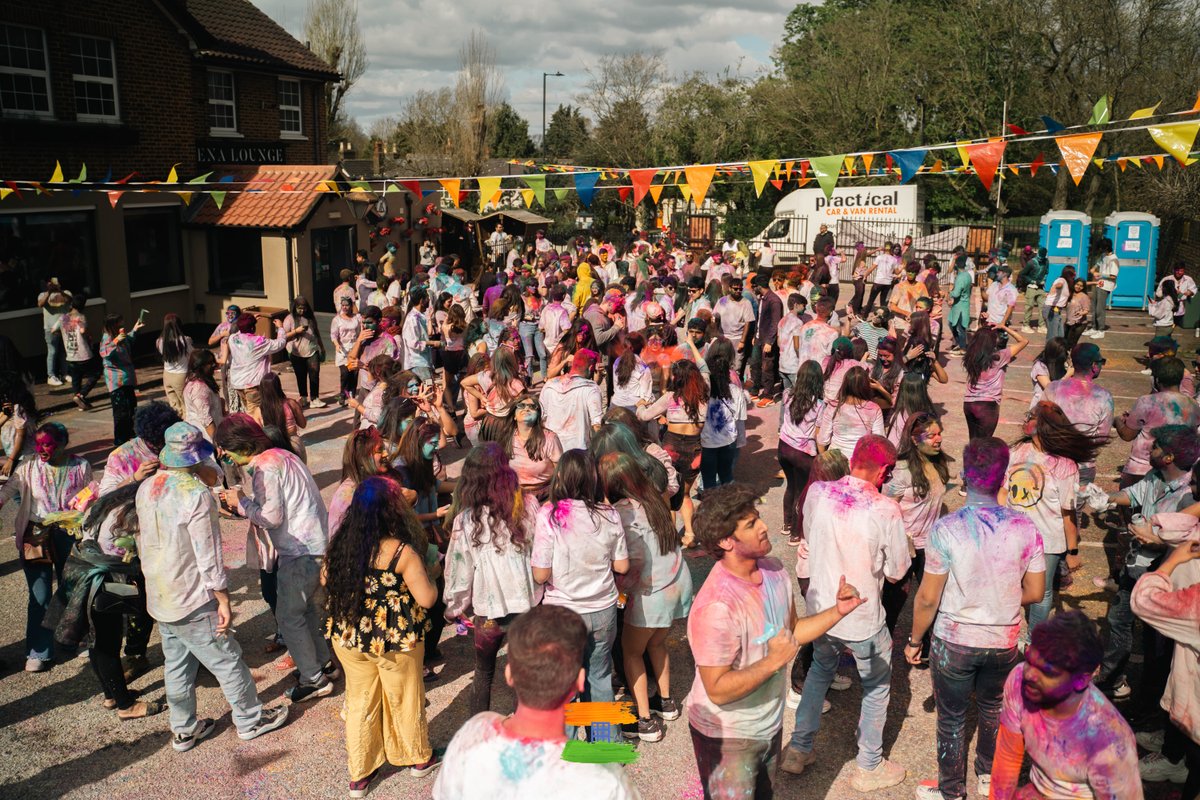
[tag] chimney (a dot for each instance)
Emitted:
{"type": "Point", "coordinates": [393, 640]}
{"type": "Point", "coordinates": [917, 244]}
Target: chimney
{"type": "Point", "coordinates": [376, 156]}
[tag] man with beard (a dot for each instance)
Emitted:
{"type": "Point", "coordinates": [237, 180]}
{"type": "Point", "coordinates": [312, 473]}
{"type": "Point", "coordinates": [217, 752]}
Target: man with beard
{"type": "Point", "coordinates": [1080, 745]}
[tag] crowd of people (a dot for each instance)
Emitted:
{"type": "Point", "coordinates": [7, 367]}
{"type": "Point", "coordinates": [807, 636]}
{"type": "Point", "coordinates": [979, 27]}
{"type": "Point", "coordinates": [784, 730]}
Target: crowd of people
{"type": "Point", "coordinates": [601, 397]}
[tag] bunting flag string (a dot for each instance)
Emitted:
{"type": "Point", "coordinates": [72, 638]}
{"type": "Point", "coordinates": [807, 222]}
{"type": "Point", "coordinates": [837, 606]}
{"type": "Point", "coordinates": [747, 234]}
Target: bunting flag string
{"type": "Point", "coordinates": [1077, 151]}
{"type": "Point", "coordinates": [698, 180]}
{"type": "Point", "coordinates": [537, 185]}
{"type": "Point", "coordinates": [985, 158]}
{"type": "Point", "coordinates": [585, 186]}
{"type": "Point", "coordinates": [642, 178]}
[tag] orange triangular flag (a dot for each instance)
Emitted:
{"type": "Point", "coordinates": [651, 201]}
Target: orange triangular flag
{"type": "Point", "coordinates": [698, 179]}
{"type": "Point", "coordinates": [1121, 164]}
{"type": "Point", "coordinates": [641, 179]}
{"type": "Point", "coordinates": [451, 186]}
{"type": "Point", "coordinates": [656, 192]}
{"type": "Point", "coordinates": [867, 159]}
{"type": "Point", "coordinates": [938, 166]}
{"type": "Point", "coordinates": [1077, 151]}
{"type": "Point", "coordinates": [1158, 160]}
{"type": "Point", "coordinates": [986, 158]}
{"type": "Point", "coordinates": [1014, 169]}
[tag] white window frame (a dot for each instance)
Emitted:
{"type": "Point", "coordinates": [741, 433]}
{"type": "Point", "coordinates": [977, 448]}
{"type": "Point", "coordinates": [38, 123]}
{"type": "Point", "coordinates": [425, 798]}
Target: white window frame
{"type": "Point", "coordinates": [299, 109]}
{"type": "Point", "coordinates": [76, 78]}
{"type": "Point", "coordinates": [44, 74]}
{"type": "Point", "coordinates": [232, 104]}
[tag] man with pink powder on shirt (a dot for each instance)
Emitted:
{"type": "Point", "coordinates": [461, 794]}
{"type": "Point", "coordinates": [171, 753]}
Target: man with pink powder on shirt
{"type": "Point", "coordinates": [743, 632]}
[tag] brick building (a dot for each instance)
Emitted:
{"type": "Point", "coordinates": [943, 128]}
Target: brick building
{"type": "Point", "coordinates": [140, 86]}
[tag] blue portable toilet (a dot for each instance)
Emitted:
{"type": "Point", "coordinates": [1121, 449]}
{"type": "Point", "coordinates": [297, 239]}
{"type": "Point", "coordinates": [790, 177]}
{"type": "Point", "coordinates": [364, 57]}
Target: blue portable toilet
{"type": "Point", "coordinates": [1135, 243]}
{"type": "Point", "coordinates": [1066, 235]}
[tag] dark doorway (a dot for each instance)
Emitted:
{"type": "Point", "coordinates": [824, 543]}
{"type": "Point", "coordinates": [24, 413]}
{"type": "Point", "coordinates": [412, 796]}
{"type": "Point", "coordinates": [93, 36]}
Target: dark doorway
{"type": "Point", "coordinates": [333, 251]}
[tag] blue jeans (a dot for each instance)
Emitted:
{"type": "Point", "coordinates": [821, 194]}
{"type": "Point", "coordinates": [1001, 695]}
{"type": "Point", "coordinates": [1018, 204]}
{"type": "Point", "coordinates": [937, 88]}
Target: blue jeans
{"type": "Point", "coordinates": [54, 354]}
{"type": "Point", "coordinates": [532, 340]}
{"type": "Point", "coordinates": [1120, 629]}
{"type": "Point", "coordinates": [299, 615]}
{"type": "Point", "coordinates": [193, 641]}
{"type": "Point", "coordinates": [597, 657]}
{"type": "Point", "coordinates": [39, 641]}
{"type": "Point", "coordinates": [1039, 611]}
{"type": "Point", "coordinates": [874, 659]}
{"type": "Point", "coordinates": [1054, 322]}
{"type": "Point", "coordinates": [957, 671]}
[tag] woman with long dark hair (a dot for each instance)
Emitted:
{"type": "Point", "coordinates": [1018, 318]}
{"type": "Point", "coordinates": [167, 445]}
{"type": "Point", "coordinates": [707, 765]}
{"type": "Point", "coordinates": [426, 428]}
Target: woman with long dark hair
{"type": "Point", "coordinates": [453, 351]}
{"type": "Point", "coordinates": [1054, 306]}
{"type": "Point", "coordinates": [280, 416]}
{"type": "Point", "coordinates": [920, 349]}
{"type": "Point", "coordinates": [580, 336]}
{"type": "Point", "coordinates": [175, 349]}
{"type": "Point", "coordinates": [986, 362]}
{"type": "Point", "coordinates": [918, 484]}
{"type": "Point", "coordinates": [835, 366]}
{"type": "Point", "coordinates": [658, 587]}
{"type": "Point", "coordinates": [116, 352]}
{"type": "Point", "coordinates": [532, 341]}
{"type": "Point", "coordinates": [420, 470]}
{"type": "Point", "coordinates": [887, 370]}
{"type": "Point", "coordinates": [1042, 482]}
{"type": "Point", "coordinates": [497, 389]}
{"type": "Point", "coordinates": [366, 454]}
{"type": "Point", "coordinates": [529, 448]}
{"type": "Point", "coordinates": [18, 421]}
{"type": "Point", "coordinates": [344, 331]}
{"type": "Point", "coordinates": [633, 380]}
{"type": "Point", "coordinates": [912, 397]}
{"type": "Point", "coordinates": [726, 409]}
{"type": "Point", "coordinates": [305, 350]}
{"type": "Point", "coordinates": [378, 595]}
{"type": "Point", "coordinates": [386, 375]}
{"type": "Point", "coordinates": [685, 407]}
{"type": "Point", "coordinates": [803, 405]}
{"type": "Point", "coordinates": [578, 544]}
{"type": "Point", "coordinates": [1076, 316]}
{"type": "Point", "coordinates": [202, 405]}
{"type": "Point", "coordinates": [488, 575]}
{"type": "Point", "coordinates": [853, 416]}
{"type": "Point", "coordinates": [474, 408]}
{"type": "Point", "coordinates": [1048, 366]}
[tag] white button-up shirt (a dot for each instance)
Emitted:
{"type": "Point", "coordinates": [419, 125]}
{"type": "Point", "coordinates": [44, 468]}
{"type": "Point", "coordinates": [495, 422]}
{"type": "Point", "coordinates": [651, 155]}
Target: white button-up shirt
{"type": "Point", "coordinates": [250, 357]}
{"type": "Point", "coordinates": [285, 502]}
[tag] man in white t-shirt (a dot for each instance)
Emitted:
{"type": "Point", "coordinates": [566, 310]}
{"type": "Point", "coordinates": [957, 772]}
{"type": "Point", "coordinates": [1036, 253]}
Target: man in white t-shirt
{"type": "Point", "coordinates": [744, 632]}
{"type": "Point", "coordinates": [571, 404]}
{"type": "Point", "coordinates": [1001, 299]}
{"type": "Point", "coordinates": [882, 275]}
{"type": "Point", "coordinates": [1185, 288]}
{"type": "Point", "coordinates": [982, 563]}
{"type": "Point", "coordinates": [1105, 272]}
{"type": "Point", "coordinates": [493, 757]}
{"type": "Point", "coordinates": [854, 533]}
{"type": "Point", "coordinates": [1079, 744]}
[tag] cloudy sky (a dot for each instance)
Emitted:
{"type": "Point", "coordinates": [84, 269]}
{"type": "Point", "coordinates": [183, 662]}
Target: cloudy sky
{"type": "Point", "coordinates": [413, 44]}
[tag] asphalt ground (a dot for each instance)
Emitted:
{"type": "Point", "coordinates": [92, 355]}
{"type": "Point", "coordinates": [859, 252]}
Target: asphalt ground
{"type": "Point", "coordinates": [57, 741]}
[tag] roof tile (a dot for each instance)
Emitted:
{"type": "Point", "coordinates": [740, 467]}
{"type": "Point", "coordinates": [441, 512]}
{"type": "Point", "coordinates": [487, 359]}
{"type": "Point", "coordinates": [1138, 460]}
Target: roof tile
{"type": "Point", "coordinates": [266, 197]}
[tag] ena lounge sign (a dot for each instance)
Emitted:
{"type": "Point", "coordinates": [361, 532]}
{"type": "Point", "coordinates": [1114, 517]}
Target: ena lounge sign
{"type": "Point", "coordinates": [223, 152]}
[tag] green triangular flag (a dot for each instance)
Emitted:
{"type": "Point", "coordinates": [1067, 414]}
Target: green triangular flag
{"type": "Point", "coordinates": [538, 184]}
{"type": "Point", "coordinates": [827, 168]}
{"type": "Point", "coordinates": [1100, 112]}
{"type": "Point", "coordinates": [391, 187]}
{"type": "Point", "coordinates": [559, 194]}
{"type": "Point", "coordinates": [218, 198]}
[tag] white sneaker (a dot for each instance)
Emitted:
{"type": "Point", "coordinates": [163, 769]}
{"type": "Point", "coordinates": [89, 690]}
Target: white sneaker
{"type": "Point", "coordinates": [1156, 767]}
{"type": "Point", "coordinates": [1150, 740]}
{"type": "Point", "coordinates": [1026, 329]}
{"type": "Point", "coordinates": [928, 790]}
{"type": "Point", "coordinates": [840, 683]}
{"type": "Point", "coordinates": [793, 701]}
{"type": "Point", "coordinates": [1147, 371]}
{"type": "Point", "coordinates": [38, 665]}
{"type": "Point", "coordinates": [317, 403]}
{"type": "Point", "coordinates": [983, 785]}
{"type": "Point", "coordinates": [1098, 335]}
{"type": "Point", "coordinates": [54, 380]}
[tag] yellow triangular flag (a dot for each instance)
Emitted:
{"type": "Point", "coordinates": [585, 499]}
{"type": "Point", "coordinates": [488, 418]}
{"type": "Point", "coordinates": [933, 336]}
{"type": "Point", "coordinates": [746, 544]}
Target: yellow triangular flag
{"type": "Point", "coordinates": [1137, 162]}
{"type": "Point", "coordinates": [761, 170]}
{"type": "Point", "coordinates": [173, 177]}
{"type": "Point", "coordinates": [57, 177]}
{"type": "Point", "coordinates": [186, 197]}
{"type": "Point", "coordinates": [867, 159]}
{"type": "Point", "coordinates": [451, 185]}
{"type": "Point", "coordinates": [686, 191]}
{"type": "Point", "coordinates": [1142, 113]}
{"type": "Point", "coordinates": [698, 179]}
{"type": "Point", "coordinates": [1176, 138]}
{"type": "Point", "coordinates": [5, 193]}
{"type": "Point", "coordinates": [962, 152]}
{"type": "Point", "coordinates": [849, 165]}
{"type": "Point", "coordinates": [527, 196]}
{"type": "Point", "coordinates": [488, 187]}
{"type": "Point", "coordinates": [656, 192]}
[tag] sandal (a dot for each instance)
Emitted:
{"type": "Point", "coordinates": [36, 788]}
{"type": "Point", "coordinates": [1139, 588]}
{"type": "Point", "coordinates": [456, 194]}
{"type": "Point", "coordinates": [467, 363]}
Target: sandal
{"type": "Point", "coordinates": [141, 709]}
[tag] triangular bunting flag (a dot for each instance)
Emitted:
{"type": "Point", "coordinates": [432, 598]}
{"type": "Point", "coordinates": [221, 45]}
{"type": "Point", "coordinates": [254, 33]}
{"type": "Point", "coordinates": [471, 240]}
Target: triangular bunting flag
{"type": "Point", "coordinates": [391, 189]}
{"type": "Point", "coordinates": [986, 156]}
{"type": "Point", "coordinates": [777, 183]}
{"type": "Point", "coordinates": [1036, 165]}
{"type": "Point", "coordinates": [624, 193]}
{"type": "Point", "coordinates": [82, 175]}
{"type": "Point", "coordinates": [909, 162]}
{"type": "Point", "coordinates": [585, 186]}
{"type": "Point", "coordinates": [938, 166]}
{"type": "Point", "coordinates": [641, 178]}
{"type": "Point", "coordinates": [1158, 160]}
{"type": "Point", "coordinates": [787, 170]}
{"type": "Point", "coordinates": [850, 165]}
{"type": "Point", "coordinates": [867, 159]}
{"type": "Point", "coordinates": [487, 190]}
{"type": "Point", "coordinates": [57, 177]}
{"type": "Point", "coordinates": [451, 185]}
{"type": "Point", "coordinates": [1176, 138]}
{"type": "Point", "coordinates": [559, 194]}
{"type": "Point", "coordinates": [5, 193]}
{"type": "Point", "coordinates": [761, 172]}
{"type": "Point", "coordinates": [527, 196]}
{"type": "Point", "coordinates": [1099, 162]}
{"type": "Point", "coordinates": [173, 175]}
{"type": "Point", "coordinates": [12, 187]}
{"type": "Point", "coordinates": [412, 186]}
{"type": "Point", "coordinates": [1100, 112]}
{"type": "Point", "coordinates": [686, 191]}
{"type": "Point", "coordinates": [1137, 162]}
{"type": "Point", "coordinates": [1077, 151]}
{"type": "Point", "coordinates": [536, 184]}
{"type": "Point", "coordinates": [1014, 169]}
{"type": "Point", "coordinates": [656, 191]}
{"type": "Point", "coordinates": [113, 197]}
{"type": "Point", "coordinates": [826, 168]}
{"type": "Point", "coordinates": [1017, 130]}
{"type": "Point", "coordinates": [218, 198]}
{"type": "Point", "coordinates": [963, 153]}
{"type": "Point", "coordinates": [1052, 125]}
{"type": "Point", "coordinates": [1142, 113]}
{"type": "Point", "coordinates": [1121, 163]}
{"type": "Point", "coordinates": [1196, 105]}
{"type": "Point", "coordinates": [698, 179]}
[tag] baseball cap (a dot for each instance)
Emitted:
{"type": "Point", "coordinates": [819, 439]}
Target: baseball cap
{"type": "Point", "coordinates": [184, 446]}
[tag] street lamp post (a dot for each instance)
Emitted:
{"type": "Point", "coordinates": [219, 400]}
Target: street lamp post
{"type": "Point", "coordinates": [544, 76]}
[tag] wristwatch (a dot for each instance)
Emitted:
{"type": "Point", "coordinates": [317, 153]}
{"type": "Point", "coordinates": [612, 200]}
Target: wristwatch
{"type": "Point", "coordinates": [1074, 551]}
{"type": "Point", "coordinates": [911, 643]}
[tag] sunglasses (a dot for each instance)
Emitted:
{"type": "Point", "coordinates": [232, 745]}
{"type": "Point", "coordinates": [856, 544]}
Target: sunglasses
{"type": "Point", "coordinates": [527, 407]}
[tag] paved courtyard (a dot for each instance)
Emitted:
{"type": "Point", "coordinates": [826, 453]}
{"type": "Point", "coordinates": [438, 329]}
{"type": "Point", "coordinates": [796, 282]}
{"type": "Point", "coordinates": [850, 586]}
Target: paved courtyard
{"type": "Point", "coordinates": [56, 740]}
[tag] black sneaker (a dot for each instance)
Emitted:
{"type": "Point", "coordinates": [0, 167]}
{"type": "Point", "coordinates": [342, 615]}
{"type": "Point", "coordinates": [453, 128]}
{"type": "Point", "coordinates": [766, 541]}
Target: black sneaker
{"type": "Point", "coordinates": [664, 707]}
{"type": "Point", "coordinates": [331, 670]}
{"type": "Point", "coordinates": [271, 719]}
{"type": "Point", "coordinates": [298, 694]}
{"type": "Point", "coordinates": [629, 730]}
{"type": "Point", "coordinates": [182, 742]}
{"type": "Point", "coordinates": [650, 729]}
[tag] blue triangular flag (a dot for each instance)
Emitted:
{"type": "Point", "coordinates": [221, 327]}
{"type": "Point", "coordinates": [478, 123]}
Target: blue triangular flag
{"type": "Point", "coordinates": [1053, 125]}
{"type": "Point", "coordinates": [1053, 168]}
{"type": "Point", "coordinates": [909, 162]}
{"type": "Point", "coordinates": [585, 185]}
{"type": "Point", "coordinates": [108, 177]}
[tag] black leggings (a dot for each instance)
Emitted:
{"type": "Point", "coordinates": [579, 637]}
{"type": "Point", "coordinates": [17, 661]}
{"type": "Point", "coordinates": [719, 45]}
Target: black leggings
{"type": "Point", "coordinates": [982, 418]}
{"type": "Point", "coordinates": [84, 375]}
{"type": "Point", "coordinates": [124, 404]}
{"type": "Point", "coordinates": [716, 465]}
{"type": "Point", "coordinates": [105, 655]}
{"type": "Point", "coordinates": [349, 380]}
{"type": "Point", "coordinates": [878, 291]}
{"type": "Point", "coordinates": [796, 465]}
{"type": "Point", "coordinates": [308, 375]}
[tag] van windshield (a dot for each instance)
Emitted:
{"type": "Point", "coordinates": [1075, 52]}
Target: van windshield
{"type": "Point", "coordinates": [778, 229]}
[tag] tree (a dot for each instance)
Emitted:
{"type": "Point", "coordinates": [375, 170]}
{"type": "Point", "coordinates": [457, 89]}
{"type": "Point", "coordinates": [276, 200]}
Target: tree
{"type": "Point", "coordinates": [477, 89]}
{"type": "Point", "coordinates": [508, 133]}
{"type": "Point", "coordinates": [566, 134]}
{"type": "Point", "coordinates": [331, 28]}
